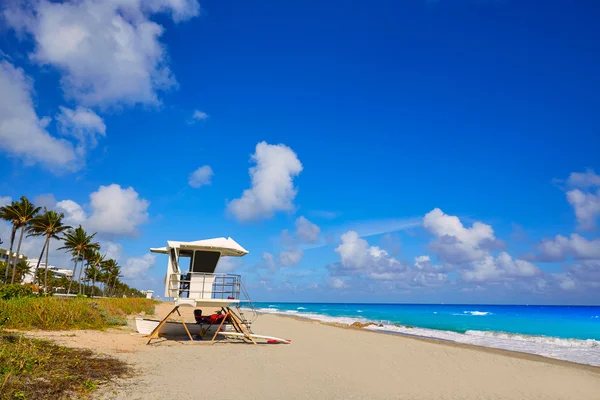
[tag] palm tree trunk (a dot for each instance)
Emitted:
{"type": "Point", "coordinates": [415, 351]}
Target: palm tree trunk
{"type": "Point", "coordinates": [35, 273]}
{"type": "Point", "coordinates": [46, 272]}
{"type": "Point", "coordinates": [93, 284]}
{"type": "Point", "coordinates": [74, 271]}
{"type": "Point", "coordinates": [79, 279]}
{"type": "Point", "coordinates": [16, 260]}
{"type": "Point", "coordinates": [13, 233]}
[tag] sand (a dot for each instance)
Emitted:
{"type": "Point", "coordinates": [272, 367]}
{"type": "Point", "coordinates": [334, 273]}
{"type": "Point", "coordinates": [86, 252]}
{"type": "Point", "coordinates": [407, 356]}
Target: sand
{"type": "Point", "coordinates": [327, 362]}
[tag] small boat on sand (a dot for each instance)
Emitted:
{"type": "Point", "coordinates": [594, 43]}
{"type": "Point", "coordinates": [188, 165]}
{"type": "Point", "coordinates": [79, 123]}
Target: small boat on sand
{"type": "Point", "coordinates": [145, 326]}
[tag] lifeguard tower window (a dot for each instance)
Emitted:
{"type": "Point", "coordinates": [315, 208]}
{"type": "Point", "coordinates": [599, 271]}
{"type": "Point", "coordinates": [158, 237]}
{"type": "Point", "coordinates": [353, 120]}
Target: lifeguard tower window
{"type": "Point", "coordinates": [205, 261]}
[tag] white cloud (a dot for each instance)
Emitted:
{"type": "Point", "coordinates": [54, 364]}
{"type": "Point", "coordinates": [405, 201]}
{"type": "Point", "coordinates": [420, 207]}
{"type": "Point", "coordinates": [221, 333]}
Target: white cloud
{"type": "Point", "coordinates": [337, 283]}
{"type": "Point", "coordinates": [138, 266]}
{"type": "Point", "coordinates": [586, 206]}
{"type": "Point", "coordinates": [228, 265]}
{"type": "Point", "coordinates": [589, 178]}
{"type": "Point", "coordinates": [358, 258]}
{"type": "Point", "coordinates": [22, 133]}
{"type": "Point", "coordinates": [272, 183]}
{"type": "Point", "coordinates": [586, 273]}
{"type": "Point", "coordinates": [5, 200]}
{"type": "Point", "coordinates": [306, 231]}
{"type": "Point", "coordinates": [455, 243]}
{"type": "Point", "coordinates": [108, 52]}
{"type": "Point", "coordinates": [117, 211]}
{"type": "Point", "coordinates": [74, 214]}
{"type": "Point", "coordinates": [199, 116]}
{"type": "Point", "coordinates": [567, 283]}
{"type": "Point", "coordinates": [503, 267]}
{"type": "Point", "coordinates": [112, 250]}
{"type": "Point", "coordinates": [290, 258]}
{"type": "Point", "coordinates": [200, 177]}
{"type": "Point", "coordinates": [82, 124]}
{"type": "Point", "coordinates": [576, 246]}
{"type": "Point", "coordinates": [268, 260]}
{"type": "Point", "coordinates": [469, 250]}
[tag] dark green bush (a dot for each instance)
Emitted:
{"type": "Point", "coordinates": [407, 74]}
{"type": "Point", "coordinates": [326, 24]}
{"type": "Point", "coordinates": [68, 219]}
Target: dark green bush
{"type": "Point", "coordinates": [15, 291]}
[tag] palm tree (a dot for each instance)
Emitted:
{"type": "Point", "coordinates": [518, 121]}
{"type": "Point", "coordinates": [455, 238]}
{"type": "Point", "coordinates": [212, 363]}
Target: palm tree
{"type": "Point", "coordinates": [78, 242]}
{"type": "Point", "coordinates": [112, 273]}
{"type": "Point", "coordinates": [94, 259]}
{"type": "Point", "coordinates": [8, 213]}
{"type": "Point", "coordinates": [23, 212]}
{"type": "Point", "coordinates": [48, 224]}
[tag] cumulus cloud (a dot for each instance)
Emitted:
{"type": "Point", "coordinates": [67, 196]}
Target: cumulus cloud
{"type": "Point", "coordinates": [22, 133]}
{"type": "Point", "coordinates": [199, 116]}
{"type": "Point", "coordinates": [272, 183]}
{"type": "Point", "coordinates": [268, 260]}
{"type": "Point", "coordinates": [112, 250]}
{"type": "Point", "coordinates": [74, 214]}
{"type": "Point", "coordinates": [589, 178]}
{"type": "Point", "coordinates": [358, 258]}
{"type": "Point", "coordinates": [201, 177]}
{"type": "Point", "coordinates": [113, 211]}
{"type": "Point", "coordinates": [567, 283]}
{"type": "Point", "coordinates": [138, 266]}
{"type": "Point", "coordinates": [117, 211]}
{"type": "Point", "coordinates": [586, 273]}
{"type": "Point", "coordinates": [228, 265]}
{"type": "Point", "coordinates": [584, 196]}
{"type": "Point", "coordinates": [502, 267]}
{"type": "Point", "coordinates": [4, 200]}
{"type": "Point", "coordinates": [586, 206]}
{"type": "Point", "coordinates": [337, 283]}
{"type": "Point", "coordinates": [108, 52]}
{"type": "Point", "coordinates": [306, 231]}
{"type": "Point", "coordinates": [576, 246]}
{"type": "Point", "coordinates": [83, 124]}
{"type": "Point", "coordinates": [290, 258]}
{"type": "Point", "coordinates": [454, 242]}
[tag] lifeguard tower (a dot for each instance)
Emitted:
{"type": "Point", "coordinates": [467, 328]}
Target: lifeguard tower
{"type": "Point", "coordinates": [191, 280]}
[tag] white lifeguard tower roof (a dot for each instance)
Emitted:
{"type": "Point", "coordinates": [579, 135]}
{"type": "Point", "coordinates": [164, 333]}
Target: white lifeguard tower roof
{"type": "Point", "coordinates": [225, 246]}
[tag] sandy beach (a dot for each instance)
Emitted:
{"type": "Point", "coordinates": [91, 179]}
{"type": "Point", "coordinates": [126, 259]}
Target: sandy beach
{"type": "Point", "coordinates": [328, 362]}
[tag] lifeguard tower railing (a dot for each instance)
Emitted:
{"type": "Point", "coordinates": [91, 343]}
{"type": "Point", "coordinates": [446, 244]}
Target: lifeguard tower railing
{"type": "Point", "coordinates": [201, 285]}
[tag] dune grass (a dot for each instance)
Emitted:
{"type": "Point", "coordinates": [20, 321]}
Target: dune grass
{"type": "Point", "coordinates": [51, 313]}
{"type": "Point", "coordinates": [39, 369]}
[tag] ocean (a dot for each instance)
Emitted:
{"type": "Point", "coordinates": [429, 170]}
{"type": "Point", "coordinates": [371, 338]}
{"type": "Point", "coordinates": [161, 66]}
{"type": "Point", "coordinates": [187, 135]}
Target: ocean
{"type": "Point", "coordinates": [569, 333]}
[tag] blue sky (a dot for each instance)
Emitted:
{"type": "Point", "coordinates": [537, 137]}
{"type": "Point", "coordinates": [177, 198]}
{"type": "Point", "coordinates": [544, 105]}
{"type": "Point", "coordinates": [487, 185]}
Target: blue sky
{"type": "Point", "coordinates": [356, 122]}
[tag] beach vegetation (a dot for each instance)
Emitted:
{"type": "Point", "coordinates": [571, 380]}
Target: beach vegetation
{"type": "Point", "coordinates": [55, 313]}
{"type": "Point", "coordinates": [40, 369]}
{"type": "Point", "coordinates": [16, 291]}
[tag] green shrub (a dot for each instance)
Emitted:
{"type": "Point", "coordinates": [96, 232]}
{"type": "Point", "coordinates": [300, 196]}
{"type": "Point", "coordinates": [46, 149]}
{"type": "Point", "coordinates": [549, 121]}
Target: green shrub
{"type": "Point", "coordinates": [55, 313]}
{"type": "Point", "coordinates": [15, 291]}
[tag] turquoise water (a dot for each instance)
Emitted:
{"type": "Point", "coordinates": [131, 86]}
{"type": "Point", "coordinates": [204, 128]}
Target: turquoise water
{"type": "Point", "coordinates": [564, 332]}
{"type": "Point", "coordinates": [569, 322]}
